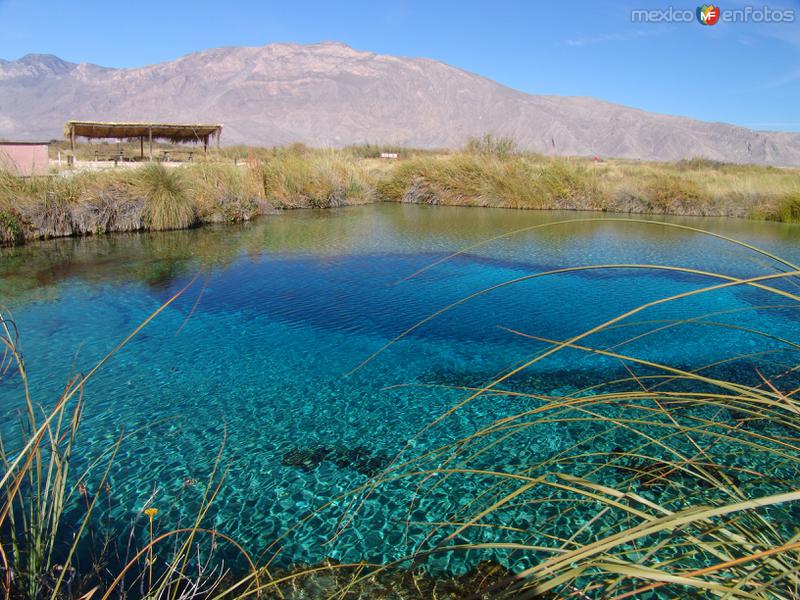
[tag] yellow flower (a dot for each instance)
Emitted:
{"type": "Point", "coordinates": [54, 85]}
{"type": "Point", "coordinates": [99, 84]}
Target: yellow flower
{"type": "Point", "coordinates": [151, 512]}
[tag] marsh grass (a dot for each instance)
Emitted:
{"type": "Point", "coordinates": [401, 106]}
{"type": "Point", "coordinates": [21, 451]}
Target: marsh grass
{"type": "Point", "coordinates": [167, 203]}
{"type": "Point", "coordinates": [478, 177]}
{"type": "Point", "coordinates": [786, 208]}
{"type": "Point", "coordinates": [494, 179]}
{"type": "Point", "coordinates": [238, 183]}
{"type": "Point", "coordinates": [501, 147]}
{"type": "Point", "coordinates": [156, 197]}
{"type": "Point", "coordinates": [315, 179]}
{"type": "Point", "coordinates": [34, 501]}
{"type": "Point", "coordinates": [225, 192]}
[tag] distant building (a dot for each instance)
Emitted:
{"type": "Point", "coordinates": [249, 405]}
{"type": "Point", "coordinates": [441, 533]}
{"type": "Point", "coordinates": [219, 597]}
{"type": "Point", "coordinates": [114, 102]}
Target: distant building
{"type": "Point", "coordinates": [24, 158]}
{"type": "Point", "coordinates": [390, 155]}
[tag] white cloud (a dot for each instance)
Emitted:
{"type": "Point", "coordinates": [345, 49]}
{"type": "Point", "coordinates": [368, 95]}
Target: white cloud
{"type": "Point", "coordinates": [625, 36]}
{"type": "Point", "coordinates": [786, 79]}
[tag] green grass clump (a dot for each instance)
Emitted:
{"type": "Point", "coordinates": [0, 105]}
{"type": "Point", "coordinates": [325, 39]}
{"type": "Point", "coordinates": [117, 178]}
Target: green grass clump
{"type": "Point", "coordinates": [668, 193]}
{"type": "Point", "coordinates": [321, 179]}
{"type": "Point", "coordinates": [446, 180]}
{"type": "Point", "coordinates": [696, 187]}
{"type": "Point", "coordinates": [225, 192]}
{"type": "Point", "coordinates": [16, 192]}
{"type": "Point", "coordinates": [42, 204]}
{"type": "Point", "coordinates": [787, 209]}
{"type": "Point", "coordinates": [10, 229]}
{"type": "Point", "coordinates": [168, 204]}
{"type": "Point", "coordinates": [569, 184]}
{"type": "Point", "coordinates": [485, 179]}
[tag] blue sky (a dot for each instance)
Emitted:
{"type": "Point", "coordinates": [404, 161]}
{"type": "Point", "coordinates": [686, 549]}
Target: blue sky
{"type": "Point", "coordinates": [748, 74]}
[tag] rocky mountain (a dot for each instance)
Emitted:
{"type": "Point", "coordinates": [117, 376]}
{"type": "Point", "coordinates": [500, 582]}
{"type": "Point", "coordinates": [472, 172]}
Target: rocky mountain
{"type": "Point", "coordinates": [329, 94]}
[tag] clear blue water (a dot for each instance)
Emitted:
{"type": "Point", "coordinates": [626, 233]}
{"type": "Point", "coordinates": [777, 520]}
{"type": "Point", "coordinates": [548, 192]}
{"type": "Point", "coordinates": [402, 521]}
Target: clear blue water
{"type": "Point", "coordinates": [283, 308]}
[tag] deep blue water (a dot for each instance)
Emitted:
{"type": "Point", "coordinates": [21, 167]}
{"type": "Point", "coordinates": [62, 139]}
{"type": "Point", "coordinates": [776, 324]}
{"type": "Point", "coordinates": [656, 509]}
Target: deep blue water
{"type": "Point", "coordinates": [260, 346]}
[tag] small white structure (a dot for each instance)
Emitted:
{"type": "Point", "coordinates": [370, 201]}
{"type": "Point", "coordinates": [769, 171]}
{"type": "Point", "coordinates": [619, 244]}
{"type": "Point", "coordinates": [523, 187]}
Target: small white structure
{"type": "Point", "coordinates": [390, 155]}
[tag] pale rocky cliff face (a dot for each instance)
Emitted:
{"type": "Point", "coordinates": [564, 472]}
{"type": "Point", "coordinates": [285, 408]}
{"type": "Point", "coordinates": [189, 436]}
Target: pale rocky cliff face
{"type": "Point", "coordinates": [331, 95]}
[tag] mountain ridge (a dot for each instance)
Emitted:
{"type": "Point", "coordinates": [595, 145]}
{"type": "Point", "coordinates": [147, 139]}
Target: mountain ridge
{"type": "Point", "coordinates": [329, 94]}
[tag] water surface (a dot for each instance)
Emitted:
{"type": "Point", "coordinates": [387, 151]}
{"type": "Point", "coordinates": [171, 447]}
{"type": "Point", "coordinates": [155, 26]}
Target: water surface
{"type": "Point", "coordinates": [258, 351]}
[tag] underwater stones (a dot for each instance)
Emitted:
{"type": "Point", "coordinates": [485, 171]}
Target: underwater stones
{"type": "Point", "coordinates": [307, 459]}
{"type": "Point", "coordinates": [358, 458]}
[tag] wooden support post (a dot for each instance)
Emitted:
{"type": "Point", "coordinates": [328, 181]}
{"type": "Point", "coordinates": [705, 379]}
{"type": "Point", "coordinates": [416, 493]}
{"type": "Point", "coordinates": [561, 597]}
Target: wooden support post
{"type": "Point", "coordinates": [218, 135]}
{"type": "Point", "coordinates": [72, 139]}
{"type": "Point", "coordinates": [150, 138]}
{"type": "Point", "coordinates": [141, 147]}
{"type": "Point", "coordinates": [205, 145]}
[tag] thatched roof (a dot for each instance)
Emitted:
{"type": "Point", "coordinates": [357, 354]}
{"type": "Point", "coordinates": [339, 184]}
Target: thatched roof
{"type": "Point", "coordinates": [172, 132]}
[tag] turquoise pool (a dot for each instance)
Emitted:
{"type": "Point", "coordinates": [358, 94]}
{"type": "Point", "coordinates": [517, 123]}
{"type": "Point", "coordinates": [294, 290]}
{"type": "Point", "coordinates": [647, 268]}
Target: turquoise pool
{"type": "Point", "coordinates": [262, 344]}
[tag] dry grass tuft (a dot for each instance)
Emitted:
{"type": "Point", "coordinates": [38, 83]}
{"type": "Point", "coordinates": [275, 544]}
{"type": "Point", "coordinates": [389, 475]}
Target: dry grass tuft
{"type": "Point", "coordinates": [167, 204]}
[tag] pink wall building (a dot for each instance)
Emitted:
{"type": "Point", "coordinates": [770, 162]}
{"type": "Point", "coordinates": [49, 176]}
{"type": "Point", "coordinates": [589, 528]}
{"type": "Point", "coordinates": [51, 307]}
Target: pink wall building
{"type": "Point", "coordinates": [24, 158]}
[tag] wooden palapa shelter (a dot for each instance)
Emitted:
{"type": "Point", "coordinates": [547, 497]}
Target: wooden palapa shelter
{"type": "Point", "coordinates": [173, 132]}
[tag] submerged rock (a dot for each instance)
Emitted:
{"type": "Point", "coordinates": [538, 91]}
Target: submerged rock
{"type": "Point", "coordinates": [358, 458]}
{"type": "Point", "coordinates": [306, 459]}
